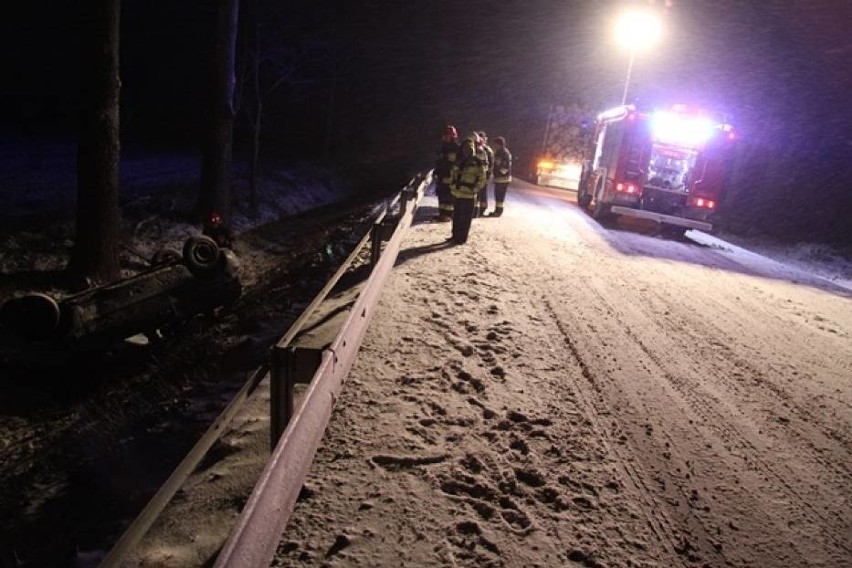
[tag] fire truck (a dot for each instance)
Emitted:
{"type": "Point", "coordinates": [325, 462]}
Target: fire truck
{"type": "Point", "coordinates": [667, 166]}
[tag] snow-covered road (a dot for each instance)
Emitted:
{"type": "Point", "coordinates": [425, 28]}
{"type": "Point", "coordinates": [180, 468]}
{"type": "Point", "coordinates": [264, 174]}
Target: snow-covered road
{"type": "Point", "coordinates": [557, 393]}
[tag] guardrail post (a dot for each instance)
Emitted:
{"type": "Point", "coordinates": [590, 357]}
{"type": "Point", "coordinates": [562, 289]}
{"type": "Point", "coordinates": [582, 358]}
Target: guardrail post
{"type": "Point", "coordinates": [375, 243]}
{"type": "Point", "coordinates": [280, 392]}
{"type": "Point", "coordinates": [291, 365]}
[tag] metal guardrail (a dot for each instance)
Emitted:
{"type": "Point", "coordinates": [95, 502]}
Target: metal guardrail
{"type": "Point", "coordinates": [282, 356]}
{"type": "Point", "coordinates": [263, 519]}
{"type": "Point", "coordinates": [143, 522]}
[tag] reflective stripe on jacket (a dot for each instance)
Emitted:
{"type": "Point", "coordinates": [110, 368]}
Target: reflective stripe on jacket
{"type": "Point", "coordinates": [502, 166]}
{"type": "Point", "coordinates": [447, 156]}
{"type": "Point", "coordinates": [468, 179]}
{"type": "Point", "coordinates": [489, 158]}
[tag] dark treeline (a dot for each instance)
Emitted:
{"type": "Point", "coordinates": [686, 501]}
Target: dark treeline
{"type": "Point", "coordinates": [374, 82]}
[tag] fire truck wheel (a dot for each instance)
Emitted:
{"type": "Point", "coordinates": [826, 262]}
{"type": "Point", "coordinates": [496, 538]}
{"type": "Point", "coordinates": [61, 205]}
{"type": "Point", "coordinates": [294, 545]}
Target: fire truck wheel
{"type": "Point", "coordinates": [201, 255]}
{"type": "Point", "coordinates": [674, 232]}
{"type": "Point", "coordinates": [601, 210]}
{"type": "Point", "coordinates": [583, 198]}
{"type": "Point", "coordinates": [165, 257]}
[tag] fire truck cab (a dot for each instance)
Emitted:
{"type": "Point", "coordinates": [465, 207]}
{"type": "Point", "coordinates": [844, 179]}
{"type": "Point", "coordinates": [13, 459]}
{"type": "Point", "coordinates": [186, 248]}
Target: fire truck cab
{"type": "Point", "coordinates": [666, 166]}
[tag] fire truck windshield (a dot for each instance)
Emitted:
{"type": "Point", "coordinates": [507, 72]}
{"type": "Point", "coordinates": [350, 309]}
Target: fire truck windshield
{"type": "Point", "coordinates": [681, 130]}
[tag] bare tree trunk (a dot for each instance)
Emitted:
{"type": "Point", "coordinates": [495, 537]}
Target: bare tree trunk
{"type": "Point", "coordinates": [95, 255]}
{"type": "Point", "coordinates": [254, 173]}
{"type": "Point", "coordinates": [217, 146]}
{"type": "Point", "coordinates": [254, 168]}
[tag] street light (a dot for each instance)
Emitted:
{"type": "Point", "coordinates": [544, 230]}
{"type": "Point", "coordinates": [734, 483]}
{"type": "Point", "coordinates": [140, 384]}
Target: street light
{"type": "Point", "coordinates": [636, 30]}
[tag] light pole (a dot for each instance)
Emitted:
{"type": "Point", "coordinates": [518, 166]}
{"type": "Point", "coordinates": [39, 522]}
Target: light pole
{"type": "Point", "coordinates": [636, 30]}
{"type": "Point", "coordinates": [629, 71]}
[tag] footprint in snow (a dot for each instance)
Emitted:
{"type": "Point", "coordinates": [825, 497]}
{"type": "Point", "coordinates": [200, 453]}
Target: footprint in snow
{"type": "Point", "coordinates": [397, 463]}
{"type": "Point", "coordinates": [477, 384]}
{"type": "Point", "coordinates": [552, 498]}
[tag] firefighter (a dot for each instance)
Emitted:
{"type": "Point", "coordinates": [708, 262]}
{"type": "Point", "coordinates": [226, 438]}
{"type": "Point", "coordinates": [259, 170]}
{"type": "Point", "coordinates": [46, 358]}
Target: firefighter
{"type": "Point", "coordinates": [468, 180]}
{"type": "Point", "coordinates": [486, 154]}
{"type": "Point", "coordinates": [502, 174]}
{"type": "Point", "coordinates": [446, 160]}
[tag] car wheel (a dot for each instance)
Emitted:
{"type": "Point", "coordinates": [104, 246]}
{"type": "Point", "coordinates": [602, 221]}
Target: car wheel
{"type": "Point", "coordinates": [201, 255]}
{"type": "Point", "coordinates": [34, 316]}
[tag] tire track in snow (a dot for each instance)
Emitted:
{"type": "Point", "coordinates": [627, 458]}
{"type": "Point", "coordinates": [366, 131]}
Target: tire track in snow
{"type": "Point", "coordinates": [700, 328]}
{"type": "Point", "coordinates": [657, 519]}
{"type": "Point", "coordinates": [703, 405]}
{"type": "Point", "coordinates": [770, 390]}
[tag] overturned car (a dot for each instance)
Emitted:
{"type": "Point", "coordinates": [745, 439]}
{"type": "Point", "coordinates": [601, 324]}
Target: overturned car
{"type": "Point", "coordinates": [178, 286]}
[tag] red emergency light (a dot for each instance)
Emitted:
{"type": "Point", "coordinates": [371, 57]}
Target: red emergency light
{"type": "Point", "coordinates": [703, 203]}
{"type": "Point", "coordinates": [626, 188]}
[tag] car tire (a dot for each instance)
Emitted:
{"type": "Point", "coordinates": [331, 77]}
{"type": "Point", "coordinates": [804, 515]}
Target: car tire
{"type": "Point", "coordinates": [34, 316]}
{"type": "Point", "coordinates": [202, 256]}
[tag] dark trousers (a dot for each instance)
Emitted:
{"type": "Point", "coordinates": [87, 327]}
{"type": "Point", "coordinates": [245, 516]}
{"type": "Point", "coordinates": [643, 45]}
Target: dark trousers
{"type": "Point", "coordinates": [482, 199]}
{"type": "Point", "coordinates": [462, 218]}
{"type": "Point", "coordinates": [445, 198]}
{"type": "Point", "coordinates": [500, 190]}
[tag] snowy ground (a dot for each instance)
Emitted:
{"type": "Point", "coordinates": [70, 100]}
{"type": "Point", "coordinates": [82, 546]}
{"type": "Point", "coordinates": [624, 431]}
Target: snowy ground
{"type": "Point", "coordinates": [553, 393]}
{"type": "Point", "coordinates": [534, 414]}
{"type": "Point", "coordinates": [502, 416]}
{"type": "Point", "coordinates": [823, 260]}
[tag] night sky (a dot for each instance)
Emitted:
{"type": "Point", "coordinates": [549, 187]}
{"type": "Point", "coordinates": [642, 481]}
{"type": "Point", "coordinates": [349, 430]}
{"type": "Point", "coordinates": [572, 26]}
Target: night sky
{"type": "Point", "coordinates": [381, 78]}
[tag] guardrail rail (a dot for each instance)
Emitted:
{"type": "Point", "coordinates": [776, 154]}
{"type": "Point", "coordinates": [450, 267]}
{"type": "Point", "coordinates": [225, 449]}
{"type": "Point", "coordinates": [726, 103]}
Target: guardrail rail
{"type": "Point", "coordinates": [294, 436]}
{"type": "Point", "coordinates": [259, 528]}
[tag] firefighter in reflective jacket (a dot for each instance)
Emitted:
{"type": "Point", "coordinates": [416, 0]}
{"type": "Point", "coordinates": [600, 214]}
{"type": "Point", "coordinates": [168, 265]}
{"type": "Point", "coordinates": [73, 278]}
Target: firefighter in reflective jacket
{"type": "Point", "coordinates": [502, 174]}
{"type": "Point", "coordinates": [446, 160]}
{"type": "Point", "coordinates": [468, 180]}
{"type": "Point", "coordinates": [485, 153]}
